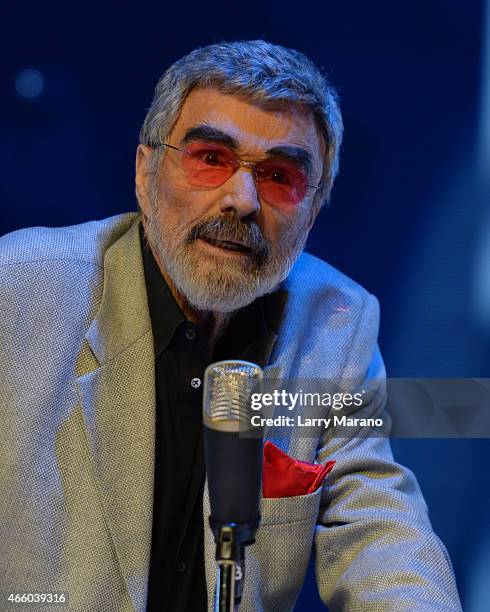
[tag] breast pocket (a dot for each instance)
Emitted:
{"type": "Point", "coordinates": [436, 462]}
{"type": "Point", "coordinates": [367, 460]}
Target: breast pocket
{"type": "Point", "coordinates": [299, 508]}
{"type": "Point", "coordinates": [277, 562]}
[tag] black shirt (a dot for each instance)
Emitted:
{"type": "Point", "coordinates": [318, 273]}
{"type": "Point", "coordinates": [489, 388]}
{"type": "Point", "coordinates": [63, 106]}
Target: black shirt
{"type": "Point", "coordinates": [177, 577]}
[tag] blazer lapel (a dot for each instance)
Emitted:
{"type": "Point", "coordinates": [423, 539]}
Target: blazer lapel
{"type": "Point", "coordinates": [117, 386]}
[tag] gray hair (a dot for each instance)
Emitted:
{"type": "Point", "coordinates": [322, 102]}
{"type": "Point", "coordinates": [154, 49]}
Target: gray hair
{"type": "Point", "coordinates": [261, 72]}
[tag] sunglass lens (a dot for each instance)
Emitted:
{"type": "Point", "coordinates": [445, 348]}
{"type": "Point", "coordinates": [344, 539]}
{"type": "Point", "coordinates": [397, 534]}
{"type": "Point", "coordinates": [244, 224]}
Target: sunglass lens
{"type": "Point", "coordinates": [281, 183]}
{"type": "Point", "coordinates": [207, 165]}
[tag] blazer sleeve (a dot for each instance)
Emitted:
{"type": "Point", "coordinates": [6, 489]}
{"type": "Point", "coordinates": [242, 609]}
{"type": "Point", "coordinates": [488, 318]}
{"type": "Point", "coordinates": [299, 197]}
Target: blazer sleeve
{"type": "Point", "coordinates": [375, 549]}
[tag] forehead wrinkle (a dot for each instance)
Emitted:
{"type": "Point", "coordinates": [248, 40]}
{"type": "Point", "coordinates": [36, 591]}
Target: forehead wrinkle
{"type": "Point", "coordinates": [255, 127]}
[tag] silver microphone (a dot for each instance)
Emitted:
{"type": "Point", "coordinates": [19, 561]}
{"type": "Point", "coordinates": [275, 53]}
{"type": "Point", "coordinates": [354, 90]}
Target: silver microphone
{"type": "Point", "coordinates": [234, 470]}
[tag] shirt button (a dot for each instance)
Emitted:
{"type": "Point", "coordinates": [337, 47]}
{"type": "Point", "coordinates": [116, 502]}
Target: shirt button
{"type": "Point", "coordinates": [190, 333]}
{"type": "Point", "coordinates": [196, 383]}
{"type": "Point", "coordinates": [181, 567]}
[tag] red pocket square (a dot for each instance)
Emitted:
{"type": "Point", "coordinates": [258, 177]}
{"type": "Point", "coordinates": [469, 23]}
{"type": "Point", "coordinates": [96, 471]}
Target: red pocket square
{"type": "Point", "coordinates": [283, 476]}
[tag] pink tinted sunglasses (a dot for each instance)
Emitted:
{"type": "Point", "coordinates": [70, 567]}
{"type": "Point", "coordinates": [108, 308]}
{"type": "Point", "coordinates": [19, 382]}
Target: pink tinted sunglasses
{"type": "Point", "coordinates": [278, 181]}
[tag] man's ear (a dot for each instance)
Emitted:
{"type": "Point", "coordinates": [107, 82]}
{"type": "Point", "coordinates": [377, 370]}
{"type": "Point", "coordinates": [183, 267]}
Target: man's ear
{"type": "Point", "coordinates": [142, 177]}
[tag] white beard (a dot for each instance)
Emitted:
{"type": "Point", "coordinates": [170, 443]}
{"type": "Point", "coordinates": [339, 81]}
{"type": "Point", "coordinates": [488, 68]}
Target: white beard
{"type": "Point", "coordinates": [234, 282]}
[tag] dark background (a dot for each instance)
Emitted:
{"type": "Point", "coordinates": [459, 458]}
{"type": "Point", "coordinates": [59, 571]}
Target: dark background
{"type": "Point", "coordinates": [409, 216]}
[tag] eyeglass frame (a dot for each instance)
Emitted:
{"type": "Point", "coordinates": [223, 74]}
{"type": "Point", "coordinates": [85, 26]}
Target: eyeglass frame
{"type": "Point", "coordinates": [240, 164]}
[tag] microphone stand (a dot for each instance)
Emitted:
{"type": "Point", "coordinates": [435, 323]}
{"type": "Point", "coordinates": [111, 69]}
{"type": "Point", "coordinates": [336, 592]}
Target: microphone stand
{"type": "Point", "coordinates": [231, 539]}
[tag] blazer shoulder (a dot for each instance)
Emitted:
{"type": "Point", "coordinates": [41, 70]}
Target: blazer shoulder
{"type": "Point", "coordinates": [85, 242]}
{"type": "Point", "coordinates": [313, 276]}
{"type": "Point", "coordinates": [329, 325]}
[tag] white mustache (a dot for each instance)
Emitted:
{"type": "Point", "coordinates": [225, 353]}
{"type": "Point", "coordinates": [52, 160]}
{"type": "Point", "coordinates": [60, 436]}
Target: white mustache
{"type": "Point", "coordinates": [231, 229]}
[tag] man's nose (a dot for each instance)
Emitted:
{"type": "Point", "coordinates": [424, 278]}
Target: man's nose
{"type": "Point", "coordinates": [240, 194]}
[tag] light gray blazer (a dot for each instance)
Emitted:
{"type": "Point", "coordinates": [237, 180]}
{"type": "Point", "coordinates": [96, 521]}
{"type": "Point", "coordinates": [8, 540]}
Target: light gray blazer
{"type": "Point", "coordinates": [77, 416]}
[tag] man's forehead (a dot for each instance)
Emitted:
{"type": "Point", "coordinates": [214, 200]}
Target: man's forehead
{"type": "Point", "coordinates": [250, 124]}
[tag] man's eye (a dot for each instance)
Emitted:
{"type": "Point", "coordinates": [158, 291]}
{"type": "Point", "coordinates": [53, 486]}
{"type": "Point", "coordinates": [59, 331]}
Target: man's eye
{"type": "Point", "coordinates": [211, 158]}
{"type": "Point", "coordinates": [279, 176]}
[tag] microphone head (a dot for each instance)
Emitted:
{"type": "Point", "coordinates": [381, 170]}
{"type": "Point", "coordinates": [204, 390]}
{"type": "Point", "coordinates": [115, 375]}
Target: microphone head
{"type": "Point", "coordinates": [228, 386]}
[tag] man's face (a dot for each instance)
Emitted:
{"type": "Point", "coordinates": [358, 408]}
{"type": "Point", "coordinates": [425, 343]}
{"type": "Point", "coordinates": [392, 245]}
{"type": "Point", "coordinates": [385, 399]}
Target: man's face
{"type": "Point", "coordinates": [223, 246]}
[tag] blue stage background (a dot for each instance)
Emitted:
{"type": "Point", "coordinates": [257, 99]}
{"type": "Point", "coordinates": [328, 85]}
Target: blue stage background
{"type": "Point", "coordinates": [409, 218]}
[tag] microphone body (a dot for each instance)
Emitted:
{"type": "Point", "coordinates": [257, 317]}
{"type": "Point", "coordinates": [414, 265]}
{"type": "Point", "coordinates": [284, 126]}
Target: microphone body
{"type": "Point", "coordinates": [234, 470]}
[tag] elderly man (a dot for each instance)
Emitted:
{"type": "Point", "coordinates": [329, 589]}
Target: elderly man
{"type": "Point", "coordinates": [106, 329]}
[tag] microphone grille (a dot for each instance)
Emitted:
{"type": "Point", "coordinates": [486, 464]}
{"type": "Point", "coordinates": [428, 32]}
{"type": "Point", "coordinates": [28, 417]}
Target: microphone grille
{"type": "Point", "coordinates": [228, 386]}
